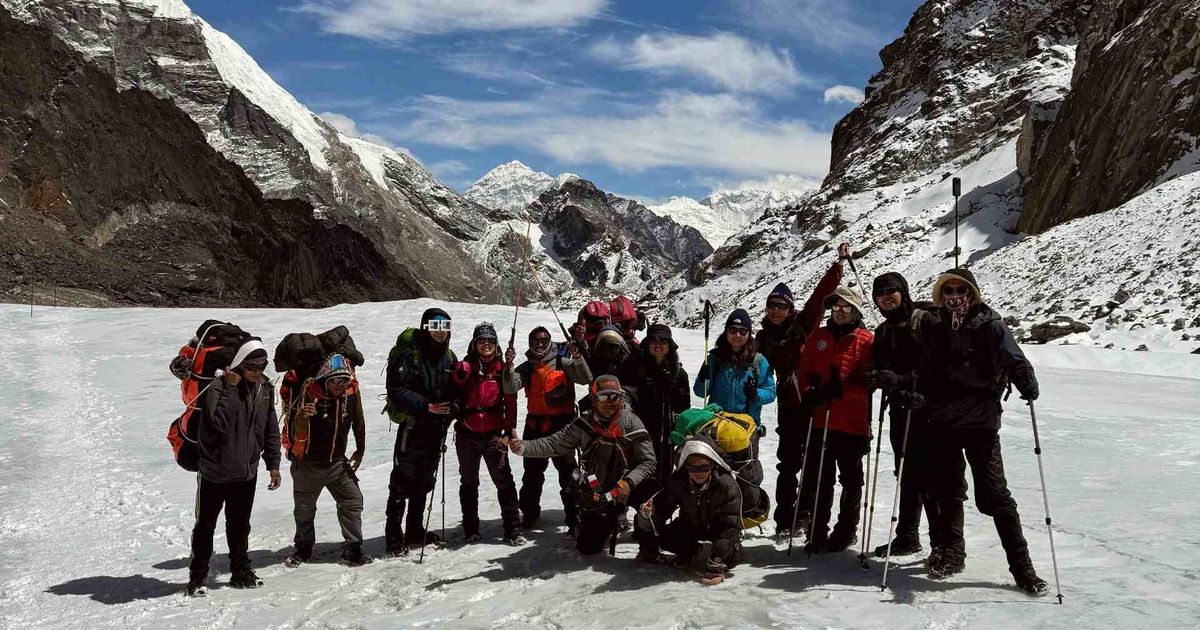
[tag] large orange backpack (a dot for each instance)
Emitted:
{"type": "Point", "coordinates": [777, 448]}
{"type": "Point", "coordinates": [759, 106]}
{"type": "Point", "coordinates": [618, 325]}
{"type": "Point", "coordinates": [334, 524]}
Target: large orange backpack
{"type": "Point", "coordinates": [212, 349]}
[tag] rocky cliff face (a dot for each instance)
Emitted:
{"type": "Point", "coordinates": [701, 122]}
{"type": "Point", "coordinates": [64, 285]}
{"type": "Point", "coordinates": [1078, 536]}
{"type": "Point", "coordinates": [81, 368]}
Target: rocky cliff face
{"type": "Point", "coordinates": [414, 224]}
{"type": "Point", "coordinates": [1130, 121]}
{"type": "Point", "coordinates": [117, 191]}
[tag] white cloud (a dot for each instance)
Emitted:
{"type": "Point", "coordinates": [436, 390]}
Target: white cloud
{"type": "Point", "coordinates": [491, 66]}
{"type": "Point", "coordinates": [348, 127]}
{"type": "Point", "coordinates": [391, 19]}
{"type": "Point", "coordinates": [721, 132]}
{"type": "Point", "coordinates": [844, 94]}
{"type": "Point", "coordinates": [829, 24]}
{"type": "Point", "coordinates": [722, 59]}
{"type": "Point", "coordinates": [782, 182]}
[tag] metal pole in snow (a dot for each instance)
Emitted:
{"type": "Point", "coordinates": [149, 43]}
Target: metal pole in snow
{"type": "Point", "coordinates": [956, 184]}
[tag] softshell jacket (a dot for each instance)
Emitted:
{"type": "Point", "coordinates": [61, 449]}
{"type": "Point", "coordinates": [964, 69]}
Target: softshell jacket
{"type": "Point", "coordinates": [727, 385]}
{"type": "Point", "coordinates": [594, 440]}
{"type": "Point", "coordinates": [898, 348]}
{"type": "Point", "coordinates": [782, 344]}
{"type": "Point", "coordinates": [239, 428]}
{"type": "Point", "coordinates": [970, 368]}
{"type": "Point", "coordinates": [323, 437]}
{"type": "Point", "coordinates": [416, 380]}
{"type": "Point", "coordinates": [713, 512]}
{"type": "Point", "coordinates": [659, 393]}
{"type": "Point", "coordinates": [852, 356]}
{"type": "Point", "coordinates": [485, 406]}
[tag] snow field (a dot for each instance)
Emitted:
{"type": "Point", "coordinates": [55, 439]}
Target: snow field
{"type": "Point", "coordinates": [95, 517]}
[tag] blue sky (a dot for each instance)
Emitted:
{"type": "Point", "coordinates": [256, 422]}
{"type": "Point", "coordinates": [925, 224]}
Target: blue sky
{"type": "Point", "coordinates": [647, 98]}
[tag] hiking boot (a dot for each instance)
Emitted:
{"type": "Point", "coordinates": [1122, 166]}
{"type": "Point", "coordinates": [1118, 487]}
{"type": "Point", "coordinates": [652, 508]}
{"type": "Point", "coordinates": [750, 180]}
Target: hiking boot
{"type": "Point", "coordinates": [783, 534]}
{"type": "Point", "coordinates": [197, 586]}
{"type": "Point", "coordinates": [946, 566]}
{"type": "Point", "coordinates": [245, 578]}
{"type": "Point", "coordinates": [514, 538]}
{"type": "Point", "coordinates": [298, 557]}
{"type": "Point", "coordinates": [900, 547]}
{"type": "Point", "coordinates": [353, 556]}
{"type": "Point", "coordinates": [473, 539]}
{"type": "Point", "coordinates": [681, 562]}
{"type": "Point", "coordinates": [815, 546]}
{"type": "Point", "coordinates": [623, 522]}
{"type": "Point", "coordinates": [649, 556]}
{"type": "Point", "coordinates": [398, 551]}
{"type": "Point", "coordinates": [1033, 585]}
{"type": "Point", "coordinates": [840, 540]}
{"type": "Point", "coordinates": [431, 539]}
{"type": "Point", "coordinates": [935, 556]}
{"type": "Point", "coordinates": [529, 520]}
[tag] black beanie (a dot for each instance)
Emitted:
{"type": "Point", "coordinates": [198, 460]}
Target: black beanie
{"type": "Point", "coordinates": [894, 280]}
{"type": "Point", "coordinates": [432, 314]}
{"type": "Point", "coordinates": [740, 318]}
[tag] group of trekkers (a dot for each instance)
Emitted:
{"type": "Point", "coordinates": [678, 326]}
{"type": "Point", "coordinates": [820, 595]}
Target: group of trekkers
{"type": "Point", "coordinates": [626, 444]}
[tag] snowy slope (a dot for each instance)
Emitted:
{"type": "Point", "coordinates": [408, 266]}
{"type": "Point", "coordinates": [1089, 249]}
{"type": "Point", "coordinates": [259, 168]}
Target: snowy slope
{"type": "Point", "coordinates": [512, 186]}
{"type": "Point", "coordinates": [95, 518]}
{"type": "Point", "coordinates": [725, 213]}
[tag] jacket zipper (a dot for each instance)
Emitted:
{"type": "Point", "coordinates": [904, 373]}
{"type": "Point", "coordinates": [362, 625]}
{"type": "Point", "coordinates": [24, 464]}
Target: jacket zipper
{"type": "Point", "coordinates": [337, 416]}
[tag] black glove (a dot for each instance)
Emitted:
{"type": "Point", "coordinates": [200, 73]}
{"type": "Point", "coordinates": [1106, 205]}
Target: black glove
{"type": "Point", "coordinates": [702, 375]}
{"type": "Point", "coordinates": [884, 379]}
{"type": "Point", "coordinates": [750, 391]}
{"type": "Point", "coordinates": [904, 399]}
{"type": "Point", "coordinates": [833, 388]}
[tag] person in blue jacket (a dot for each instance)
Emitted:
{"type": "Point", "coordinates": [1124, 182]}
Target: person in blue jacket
{"type": "Point", "coordinates": [734, 375]}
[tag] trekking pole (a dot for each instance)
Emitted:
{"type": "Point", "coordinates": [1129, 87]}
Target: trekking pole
{"type": "Point", "coordinates": [538, 280]}
{"type": "Point", "coordinates": [870, 511]}
{"type": "Point", "coordinates": [443, 494]}
{"type": "Point", "coordinates": [707, 309]}
{"type": "Point", "coordinates": [1037, 449]}
{"type": "Point", "coordinates": [803, 465]}
{"type": "Point", "coordinates": [820, 466]}
{"type": "Point", "coordinates": [857, 278]}
{"type": "Point", "coordinates": [429, 512]}
{"type": "Point", "coordinates": [887, 561]}
{"type": "Point", "coordinates": [956, 188]}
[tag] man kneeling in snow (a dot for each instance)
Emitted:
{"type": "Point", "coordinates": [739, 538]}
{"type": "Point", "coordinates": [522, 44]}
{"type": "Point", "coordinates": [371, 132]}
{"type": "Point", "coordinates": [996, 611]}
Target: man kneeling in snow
{"type": "Point", "coordinates": [706, 494]}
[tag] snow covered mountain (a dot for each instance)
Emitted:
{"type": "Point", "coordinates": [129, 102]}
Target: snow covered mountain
{"type": "Point", "coordinates": [1018, 99]}
{"type": "Point", "coordinates": [390, 227]}
{"type": "Point", "coordinates": [725, 213]}
{"type": "Point", "coordinates": [512, 186]}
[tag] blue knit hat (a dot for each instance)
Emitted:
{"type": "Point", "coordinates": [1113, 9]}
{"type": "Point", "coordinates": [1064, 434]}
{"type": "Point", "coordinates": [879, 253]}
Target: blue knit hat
{"type": "Point", "coordinates": [739, 318]}
{"type": "Point", "coordinates": [782, 292]}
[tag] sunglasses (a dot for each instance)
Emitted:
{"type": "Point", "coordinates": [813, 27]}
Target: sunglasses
{"type": "Point", "coordinates": [958, 290]}
{"type": "Point", "coordinates": [609, 396]}
{"type": "Point", "coordinates": [339, 380]}
{"type": "Point", "coordinates": [254, 367]}
{"type": "Point", "coordinates": [485, 342]}
{"type": "Point", "coordinates": [778, 306]}
{"type": "Point", "coordinates": [657, 341]}
{"type": "Point", "coordinates": [885, 291]}
{"type": "Point", "coordinates": [698, 468]}
{"type": "Point", "coordinates": [737, 331]}
{"type": "Point", "coordinates": [540, 341]}
{"type": "Point", "coordinates": [845, 309]}
{"type": "Point", "coordinates": [437, 325]}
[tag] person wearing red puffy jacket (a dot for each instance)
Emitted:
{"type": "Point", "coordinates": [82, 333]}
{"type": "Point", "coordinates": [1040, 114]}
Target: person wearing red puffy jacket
{"type": "Point", "coordinates": [487, 416]}
{"type": "Point", "coordinates": [834, 363]}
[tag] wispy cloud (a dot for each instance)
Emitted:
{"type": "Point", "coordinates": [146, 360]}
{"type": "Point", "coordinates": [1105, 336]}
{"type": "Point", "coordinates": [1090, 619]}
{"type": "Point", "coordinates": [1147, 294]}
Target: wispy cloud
{"type": "Point", "coordinates": [722, 59]}
{"type": "Point", "coordinates": [491, 66]}
{"type": "Point", "coordinates": [829, 24]}
{"type": "Point", "coordinates": [844, 94]}
{"type": "Point", "coordinates": [349, 127]}
{"type": "Point", "coordinates": [391, 20]}
{"type": "Point", "coordinates": [723, 132]}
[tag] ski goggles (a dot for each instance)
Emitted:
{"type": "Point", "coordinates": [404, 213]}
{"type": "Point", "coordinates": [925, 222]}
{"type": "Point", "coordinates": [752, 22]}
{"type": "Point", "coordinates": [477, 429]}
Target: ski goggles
{"type": "Point", "coordinates": [339, 380]}
{"type": "Point", "coordinates": [608, 395]}
{"type": "Point", "coordinates": [882, 291]}
{"type": "Point", "coordinates": [698, 468]}
{"type": "Point", "coordinates": [437, 325]}
{"type": "Point", "coordinates": [338, 363]}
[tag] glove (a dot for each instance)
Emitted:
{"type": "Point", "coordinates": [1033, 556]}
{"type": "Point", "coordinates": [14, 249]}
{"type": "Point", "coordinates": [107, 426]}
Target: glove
{"type": "Point", "coordinates": [1031, 395]}
{"type": "Point", "coordinates": [750, 391]}
{"type": "Point", "coordinates": [884, 379]}
{"type": "Point", "coordinates": [905, 399]}
{"type": "Point", "coordinates": [702, 375]}
{"type": "Point", "coordinates": [812, 397]}
{"type": "Point", "coordinates": [833, 389]}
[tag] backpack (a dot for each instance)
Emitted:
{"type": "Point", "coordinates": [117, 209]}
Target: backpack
{"type": "Point", "coordinates": [303, 352]}
{"type": "Point", "coordinates": [212, 349]}
{"type": "Point", "coordinates": [625, 315]}
{"type": "Point", "coordinates": [406, 351]}
{"type": "Point", "coordinates": [550, 392]}
{"type": "Point", "coordinates": [732, 434]}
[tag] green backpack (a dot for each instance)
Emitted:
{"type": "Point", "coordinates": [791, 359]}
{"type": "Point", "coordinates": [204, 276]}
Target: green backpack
{"type": "Point", "coordinates": [406, 354]}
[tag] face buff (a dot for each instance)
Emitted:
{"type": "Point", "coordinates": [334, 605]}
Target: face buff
{"type": "Point", "coordinates": [958, 305]}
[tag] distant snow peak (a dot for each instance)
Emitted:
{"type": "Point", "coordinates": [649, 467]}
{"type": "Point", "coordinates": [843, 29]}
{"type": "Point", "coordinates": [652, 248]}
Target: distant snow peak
{"type": "Point", "coordinates": [725, 213]}
{"type": "Point", "coordinates": [512, 186]}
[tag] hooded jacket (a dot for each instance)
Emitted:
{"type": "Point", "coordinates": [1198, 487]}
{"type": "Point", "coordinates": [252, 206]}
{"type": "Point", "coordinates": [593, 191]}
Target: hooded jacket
{"type": "Point", "coordinates": [239, 428]}
{"type": "Point", "coordinates": [970, 367]}
{"type": "Point", "coordinates": [782, 344]}
{"type": "Point", "coordinates": [712, 512]}
{"type": "Point", "coordinates": [851, 356]}
{"type": "Point", "coordinates": [529, 376]}
{"type": "Point", "coordinates": [727, 384]}
{"type": "Point", "coordinates": [897, 346]}
{"type": "Point", "coordinates": [418, 377]}
{"type": "Point", "coordinates": [597, 442]}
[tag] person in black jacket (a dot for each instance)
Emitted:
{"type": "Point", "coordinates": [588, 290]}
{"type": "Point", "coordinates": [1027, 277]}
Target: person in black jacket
{"type": "Point", "coordinates": [419, 388]}
{"type": "Point", "coordinates": [239, 428]}
{"type": "Point", "coordinates": [660, 391]}
{"type": "Point", "coordinates": [705, 493]}
{"type": "Point", "coordinates": [320, 414]}
{"type": "Point", "coordinates": [897, 355]}
{"type": "Point", "coordinates": [972, 360]}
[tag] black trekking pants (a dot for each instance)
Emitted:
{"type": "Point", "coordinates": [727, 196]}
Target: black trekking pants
{"type": "Point", "coordinates": [843, 455]}
{"type": "Point", "coordinates": [534, 478]}
{"type": "Point", "coordinates": [472, 447]}
{"type": "Point", "coordinates": [793, 426]}
{"type": "Point", "coordinates": [914, 492]}
{"type": "Point", "coordinates": [237, 497]}
{"type": "Point", "coordinates": [415, 464]}
{"type": "Point", "coordinates": [684, 541]}
{"type": "Point", "coordinates": [982, 451]}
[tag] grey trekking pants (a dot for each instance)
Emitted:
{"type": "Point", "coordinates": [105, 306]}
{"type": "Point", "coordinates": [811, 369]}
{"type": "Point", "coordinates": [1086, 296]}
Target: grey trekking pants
{"type": "Point", "coordinates": [308, 479]}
